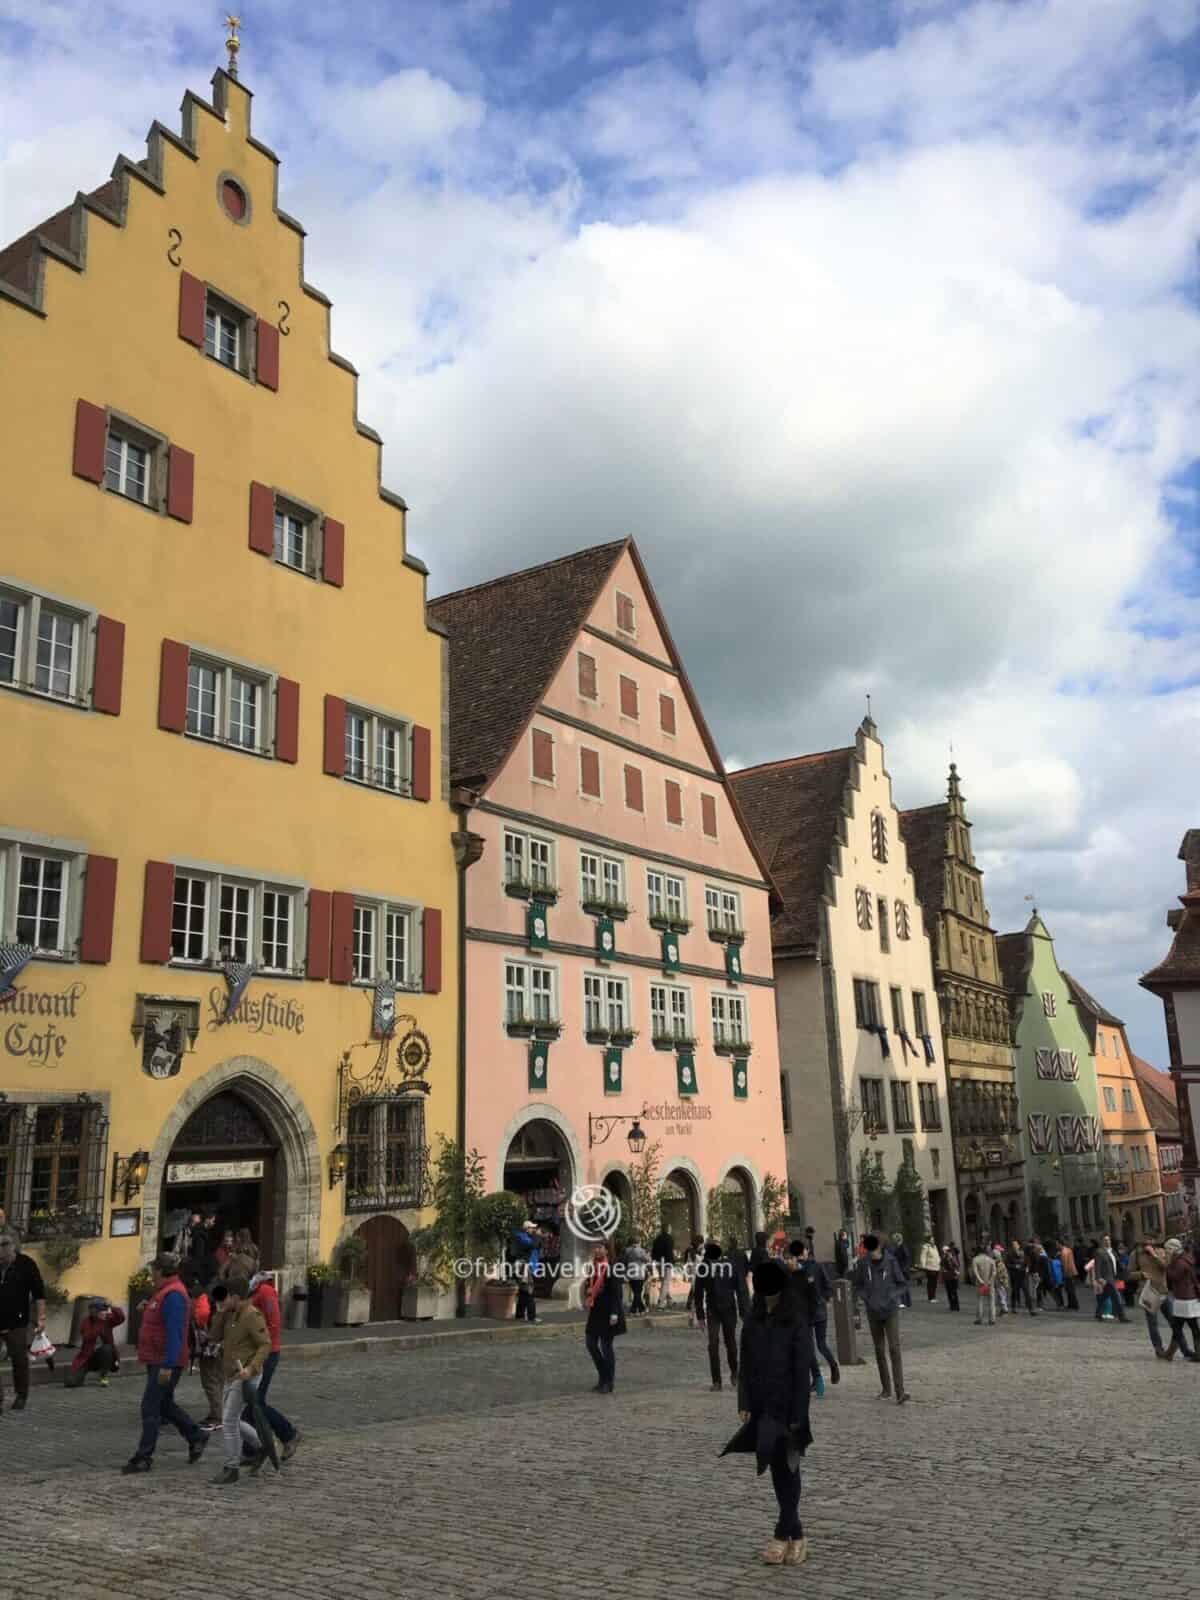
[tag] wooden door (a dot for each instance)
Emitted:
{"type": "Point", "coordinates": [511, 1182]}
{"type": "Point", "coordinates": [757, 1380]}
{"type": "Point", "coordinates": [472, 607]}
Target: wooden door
{"type": "Point", "coordinates": [390, 1262]}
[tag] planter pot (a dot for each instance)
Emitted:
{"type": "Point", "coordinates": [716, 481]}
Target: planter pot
{"type": "Point", "coordinates": [353, 1305]}
{"type": "Point", "coordinates": [519, 1030]}
{"type": "Point", "coordinates": [58, 1323]}
{"type": "Point", "coordinates": [597, 1036]}
{"type": "Point", "coordinates": [322, 1305]}
{"type": "Point", "coordinates": [517, 891]}
{"type": "Point", "coordinates": [500, 1300]}
{"type": "Point", "coordinates": [420, 1302]}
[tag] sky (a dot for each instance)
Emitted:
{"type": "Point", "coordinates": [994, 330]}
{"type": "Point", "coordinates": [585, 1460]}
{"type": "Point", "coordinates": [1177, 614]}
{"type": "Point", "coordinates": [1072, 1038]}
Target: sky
{"type": "Point", "coordinates": [876, 323]}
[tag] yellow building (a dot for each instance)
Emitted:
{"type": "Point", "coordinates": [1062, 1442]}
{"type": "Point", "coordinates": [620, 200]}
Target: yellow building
{"type": "Point", "coordinates": [221, 712]}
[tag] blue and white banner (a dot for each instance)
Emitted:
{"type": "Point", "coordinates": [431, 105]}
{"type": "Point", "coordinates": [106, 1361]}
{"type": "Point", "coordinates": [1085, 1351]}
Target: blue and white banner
{"type": "Point", "coordinates": [237, 976]}
{"type": "Point", "coordinates": [14, 958]}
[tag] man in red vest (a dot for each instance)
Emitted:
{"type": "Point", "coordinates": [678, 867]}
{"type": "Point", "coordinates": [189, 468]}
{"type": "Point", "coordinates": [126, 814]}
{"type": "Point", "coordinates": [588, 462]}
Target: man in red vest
{"type": "Point", "coordinates": [163, 1348]}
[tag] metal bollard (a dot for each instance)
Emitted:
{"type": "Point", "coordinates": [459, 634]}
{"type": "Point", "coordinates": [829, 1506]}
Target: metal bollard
{"type": "Point", "coordinates": [844, 1324]}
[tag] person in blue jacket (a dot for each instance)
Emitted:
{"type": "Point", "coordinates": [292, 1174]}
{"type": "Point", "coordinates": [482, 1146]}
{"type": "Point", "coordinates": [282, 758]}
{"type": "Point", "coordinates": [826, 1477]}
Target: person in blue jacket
{"type": "Point", "coordinates": [526, 1255]}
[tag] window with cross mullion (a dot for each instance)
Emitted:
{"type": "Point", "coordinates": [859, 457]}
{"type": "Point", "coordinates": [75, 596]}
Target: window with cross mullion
{"type": "Point", "coordinates": [42, 902]}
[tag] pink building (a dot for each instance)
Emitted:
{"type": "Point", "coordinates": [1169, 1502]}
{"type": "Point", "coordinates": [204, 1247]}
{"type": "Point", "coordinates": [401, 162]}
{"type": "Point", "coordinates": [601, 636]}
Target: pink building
{"type": "Point", "coordinates": [617, 932]}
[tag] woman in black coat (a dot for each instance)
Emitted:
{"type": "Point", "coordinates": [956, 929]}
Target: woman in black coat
{"type": "Point", "coordinates": [605, 1317]}
{"type": "Point", "coordinates": [774, 1376]}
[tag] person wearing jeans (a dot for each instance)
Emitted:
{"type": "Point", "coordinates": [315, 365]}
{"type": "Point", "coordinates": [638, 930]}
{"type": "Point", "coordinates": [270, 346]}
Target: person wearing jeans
{"type": "Point", "coordinates": [718, 1301]}
{"type": "Point", "coordinates": [1105, 1273]}
{"type": "Point", "coordinates": [951, 1274]}
{"type": "Point", "coordinates": [22, 1299]}
{"type": "Point", "coordinates": [882, 1285]}
{"type": "Point", "coordinates": [605, 1317]}
{"type": "Point", "coordinates": [264, 1297]}
{"type": "Point", "coordinates": [163, 1350]}
{"type": "Point", "coordinates": [245, 1346]}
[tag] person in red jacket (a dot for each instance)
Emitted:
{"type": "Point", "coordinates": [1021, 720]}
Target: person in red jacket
{"type": "Point", "coordinates": [263, 1295]}
{"type": "Point", "coordinates": [163, 1347]}
{"type": "Point", "coordinates": [97, 1351]}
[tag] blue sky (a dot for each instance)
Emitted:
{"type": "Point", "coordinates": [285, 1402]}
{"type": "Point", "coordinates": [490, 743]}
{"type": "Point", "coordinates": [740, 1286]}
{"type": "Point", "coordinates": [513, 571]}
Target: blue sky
{"type": "Point", "coordinates": [876, 322]}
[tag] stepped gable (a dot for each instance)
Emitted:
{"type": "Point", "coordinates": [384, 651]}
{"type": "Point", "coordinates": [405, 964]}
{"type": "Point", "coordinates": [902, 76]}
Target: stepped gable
{"type": "Point", "coordinates": [63, 238]}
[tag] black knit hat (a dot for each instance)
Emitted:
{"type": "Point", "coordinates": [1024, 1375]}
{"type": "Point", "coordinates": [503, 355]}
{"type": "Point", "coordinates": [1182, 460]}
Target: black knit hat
{"type": "Point", "coordinates": [770, 1277]}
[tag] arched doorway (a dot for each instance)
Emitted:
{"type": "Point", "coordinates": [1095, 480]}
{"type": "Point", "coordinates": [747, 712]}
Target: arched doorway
{"type": "Point", "coordinates": [537, 1166]}
{"type": "Point", "coordinates": [970, 1222]}
{"type": "Point", "coordinates": [223, 1164]}
{"type": "Point", "coordinates": [617, 1185]}
{"type": "Point", "coordinates": [1128, 1229]}
{"type": "Point", "coordinates": [679, 1206]}
{"type": "Point", "coordinates": [391, 1262]}
{"type": "Point", "coordinates": [737, 1207]}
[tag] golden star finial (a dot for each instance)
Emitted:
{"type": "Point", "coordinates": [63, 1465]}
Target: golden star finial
{"type": "Point", "coordinates": [233, 44]}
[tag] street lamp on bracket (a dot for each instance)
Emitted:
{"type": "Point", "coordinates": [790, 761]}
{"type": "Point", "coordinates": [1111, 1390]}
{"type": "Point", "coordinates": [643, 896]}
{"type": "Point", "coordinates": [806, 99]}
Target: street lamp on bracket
{"type": "Point", "coordinates": [600, 1130]}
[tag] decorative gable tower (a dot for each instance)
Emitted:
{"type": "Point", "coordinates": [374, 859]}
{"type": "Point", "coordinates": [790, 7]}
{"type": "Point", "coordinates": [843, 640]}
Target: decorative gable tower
{"type": "Point", "coordinates": [976, 1025]}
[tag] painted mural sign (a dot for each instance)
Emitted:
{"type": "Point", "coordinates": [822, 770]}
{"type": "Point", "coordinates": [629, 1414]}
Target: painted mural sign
{"type": "Point", "coordinates": [213, 1171]}
{"type": "Point", "coordinates": [676, 1116]}
{"type": "Point", "coordinates": [266, 1013]}
{"type": "Point", "coordinates": [31, 1020]}
{"type": "Point", "coordinates": [1058, 1065]}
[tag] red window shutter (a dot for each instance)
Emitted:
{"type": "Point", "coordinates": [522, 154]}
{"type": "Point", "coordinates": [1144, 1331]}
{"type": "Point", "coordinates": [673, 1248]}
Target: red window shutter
{"type": "Point", "coordinates": [543, 755]}
{"type": "Point", "coordinates": [629, 697]}
{"type": "Point", "coordinates": [335, 736]}
{"type": "Point", "coordinates": [587, 676]}
{"type": "Point", "coordinates": [99, 899]}
{"type": "Point", "coordinates": [674, 801]}
{"type": "Point", "coordinates": [633, 789]}
{"type": "Point", "coordinates": [431, 951]}
{"type": "Point", "coordinates": [91, 437]}
{"type": "Point", "coordinates": [708, 815]}
{"type": "Point", "coordinates": [172, 687]}
{"type": "Point", "coordinates": [262, 519]}
{"type": "Point", "coordinates": [333, 553]}
{"type": "Point", "coordinates": [589, 772]}
{"type": "Point", "coordinates": [181, 473]}
{"type": "Point", "coordinates": [666, 712]}
{"type": "Point", "coordinates": [191, 310]}
{"type": "Point", "coordinates": [268, 355]}
{"type": "Point", "coordinates": [287, 719]}
{"type": "Point", "coordinates": [421, 761]}
{"type": "Point", "coordinates": [109, 667]}
{"type": "Point", "coordinates": [341, 943]}
{"type": "Point", "coordinates": [156, 911]}
{"type": "Point", "coordinates": [320, 909]}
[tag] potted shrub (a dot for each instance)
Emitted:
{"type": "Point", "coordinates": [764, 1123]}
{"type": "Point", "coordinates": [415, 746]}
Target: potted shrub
{"type": "Point", "coordinates": [322, 1300]}
{"type": "Point", "coordinates": [141, 1286]}
{"type": "Point", "coordinates": [497, 1218]}
{"type": "Point", "coordinates": [426, 1293]}
{"type": "Point", "coordinates": [59, 1254]}
{"type": "Point", "coordinates": [449, 1238]}
{"type": "Point", "coordinates": [353, 1296]}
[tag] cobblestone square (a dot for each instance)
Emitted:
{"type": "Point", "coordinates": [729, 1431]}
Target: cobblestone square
{"type": "Point", "coordinates": [1049, 1456]}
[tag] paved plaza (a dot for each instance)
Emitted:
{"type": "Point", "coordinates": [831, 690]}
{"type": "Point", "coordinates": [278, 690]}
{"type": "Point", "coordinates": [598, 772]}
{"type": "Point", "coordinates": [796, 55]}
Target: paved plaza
{"type": "Point", "coordinates": [1050, 1457]}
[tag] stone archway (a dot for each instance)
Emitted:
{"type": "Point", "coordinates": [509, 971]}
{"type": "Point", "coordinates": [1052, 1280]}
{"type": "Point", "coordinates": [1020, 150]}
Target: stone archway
{"type": "Point", "coordinates": [616, 1181]}
{"type": "Point", "coordinates": [681, 1204]}
{"type": "Point", "coordinates": [296, 1240]}
{"type": "Point", "coordinates": [740, 1180]}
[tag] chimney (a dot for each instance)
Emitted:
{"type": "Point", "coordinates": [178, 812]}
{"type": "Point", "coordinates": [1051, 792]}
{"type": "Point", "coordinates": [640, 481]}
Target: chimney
{"type": "Point", "coordinates": [1189, 854]}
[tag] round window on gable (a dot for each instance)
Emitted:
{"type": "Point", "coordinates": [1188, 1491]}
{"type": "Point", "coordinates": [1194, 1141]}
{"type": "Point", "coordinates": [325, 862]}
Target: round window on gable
{"type": "Point", "coordinates": [233, 200]}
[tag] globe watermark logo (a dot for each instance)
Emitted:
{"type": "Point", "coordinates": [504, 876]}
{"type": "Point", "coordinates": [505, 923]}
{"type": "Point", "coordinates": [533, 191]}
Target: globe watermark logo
{"type": "Point", "coordinates": [593, 1213]}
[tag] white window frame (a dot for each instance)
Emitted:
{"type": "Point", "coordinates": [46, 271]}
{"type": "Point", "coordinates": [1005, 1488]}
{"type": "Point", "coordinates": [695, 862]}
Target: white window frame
{"type": "Point", "coordinates": [214, 882]}
{"type": "Point", "coordinates": [124, 439]}
{"type": "Point", "coordinates": [671, 1003]}
{"type": "Point", "coordinates": [31, 605]}
{"type": "Point", "coordinates": [290, 511]}
{"type": "Point", "coordinates": [545, 876]}
{"type": "Point", "coordinates": [630, 633]}
{"type": "Point", "coordinates": [225, 672]}
{"type": "Point", "coordinates": [609, 876]}
{"type": "Point", "coordinates": [14, 850]}
{"type": "Point", "coordinates": [722, 909]}
{"type": "Point", "coordinates": [730, 1017]}
{"type": "Point", "coordinates": [1110, 1097]}
{"type": "Point", "coordinates": [663, 896]}
{"type": "Point", "coordinates": [874, 995]}
{"type": "Point", "coordinates": [373, 912]}
{"type": "Point", "coordinates": [615, 999]}
{"type": "Point", "coordinates": [221, 310]}
{"type": "Point", "coordinates": [536, 984]}
{"type": "Point", "coordinates": [376, 726]}
{"type": "Point", "coordinates": [920, 1010]}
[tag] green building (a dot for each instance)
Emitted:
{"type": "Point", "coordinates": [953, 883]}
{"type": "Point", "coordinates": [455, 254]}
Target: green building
{"type": "Point", "coordinates": [1061, 1134]}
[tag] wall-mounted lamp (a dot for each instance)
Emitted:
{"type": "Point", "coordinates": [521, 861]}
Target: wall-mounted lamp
{"type": "Point", "coordinates": [339, 1160]}
{"type": "Point", "coordinates": [129, 1174]}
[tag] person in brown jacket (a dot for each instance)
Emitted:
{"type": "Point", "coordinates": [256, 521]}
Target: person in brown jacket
{"type": "Point", "coordinates": [1183, 1284]}
{"type": "Point", "coordinates": [245, 1345]}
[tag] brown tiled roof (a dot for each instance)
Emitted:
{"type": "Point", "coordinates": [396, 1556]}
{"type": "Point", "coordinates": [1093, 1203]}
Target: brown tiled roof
{"type": "Point", "coordinates": [792, 809]}
{"type": "Point", "coordinates": [924, 835]}
{"type": "Point", "coordinates": [1013, 951]}
{"type": "Point", "coordinates": [1182, 964]}
{"type": "Point", "coordinates": [508, 638]}
{"type": "Point", "coordinates": [1158, 1096]}
{"type": "Point", "coordinates": [18, 261]}
{"type": "Point", "coordinates": [1085, 1001]}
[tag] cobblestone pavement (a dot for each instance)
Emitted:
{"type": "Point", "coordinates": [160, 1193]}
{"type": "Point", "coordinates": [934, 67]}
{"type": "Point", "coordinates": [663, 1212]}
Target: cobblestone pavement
{"type": "Point", "coordinates": [1049, 1456]}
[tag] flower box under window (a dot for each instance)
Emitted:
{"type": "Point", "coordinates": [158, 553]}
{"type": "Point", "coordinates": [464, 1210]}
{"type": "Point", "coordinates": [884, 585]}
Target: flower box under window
{"type": "Point", "coordinates": [522, 889]}
{"type": "Point", "coordinates": [727, 935]}
{"type": "Point", "coordinates": [732, 1047]}
{"type": "Point", "coordinates": [597, 1035]}
{"type": "Point", "coordinates": [623, 1037]}
{"type": "Point", "coordinates": [547, 1031]}
{"type": "Point", "coordinates": [661, 921]}
{"type": "Point", "coordinates": [674, 1041]}
{"type": "Point", "coordinates": [520, 1027]}
{"type": "Point", "coordinates": [618, 910]}
{"type": "Point", "coordinates": [680, 925]}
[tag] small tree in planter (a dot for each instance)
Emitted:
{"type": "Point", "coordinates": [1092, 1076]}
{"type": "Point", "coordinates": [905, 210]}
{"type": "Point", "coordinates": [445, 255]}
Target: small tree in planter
{"type": "Point", "coordinates": [643, 1190]}
{"type": "Point", "coordinates": [353, 1296]}
{"type": "Point", "coordinates": [774, 1202]}
{"type": "Point", "coordinates": [497, 1217]}
{"type": "Point", "coordinates": [59, 1253]}
{"type": "Point", "coordinates": [322, 1298]}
